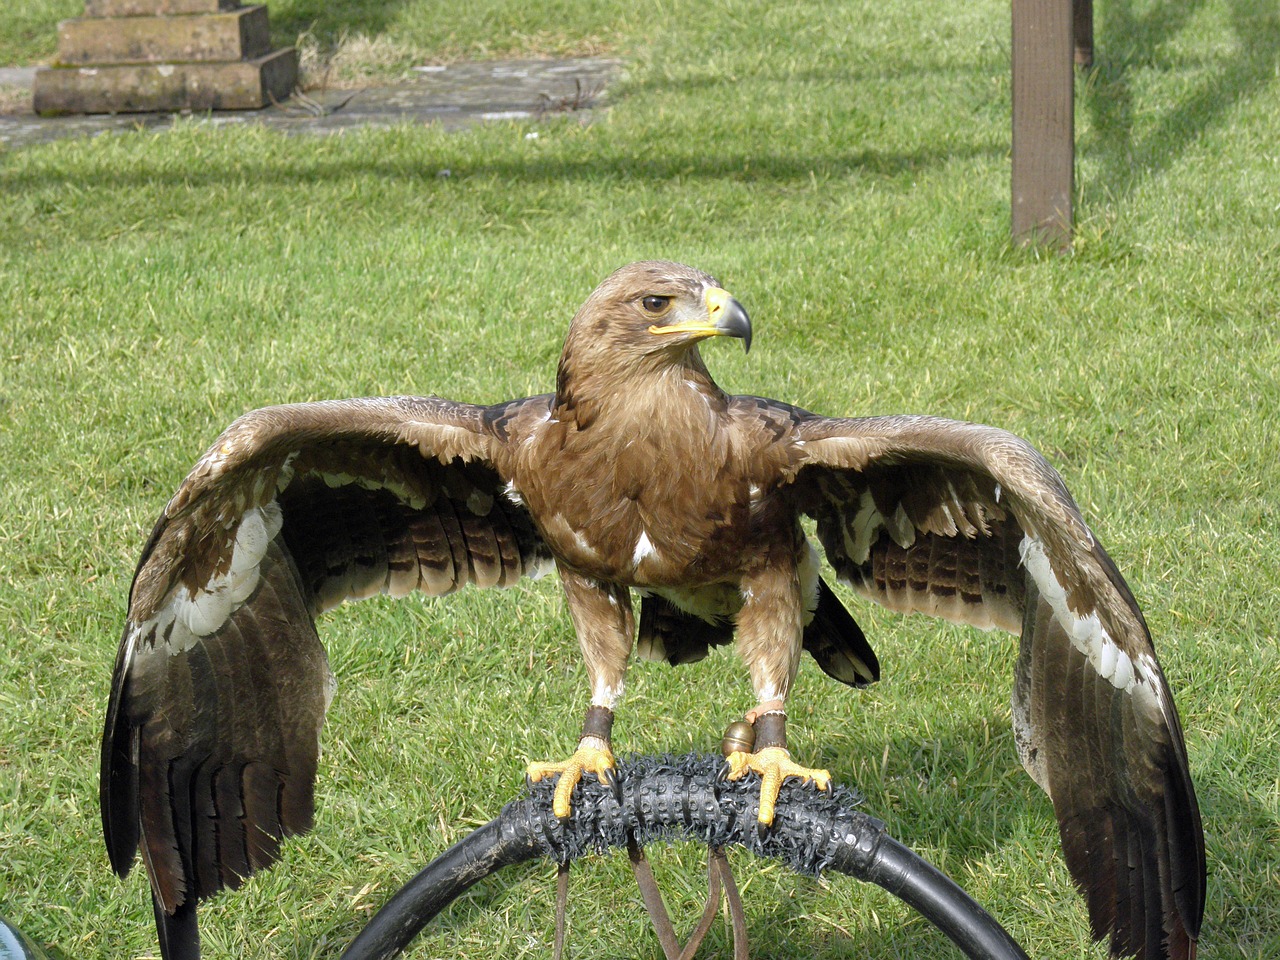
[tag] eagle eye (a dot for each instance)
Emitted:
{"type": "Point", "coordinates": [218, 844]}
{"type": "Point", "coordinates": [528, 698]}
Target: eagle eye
{"type": "Point", "coordinates": [655, 304]}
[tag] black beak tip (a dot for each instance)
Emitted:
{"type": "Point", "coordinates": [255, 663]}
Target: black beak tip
{"type": "Point", "coordinates": [736, 323]}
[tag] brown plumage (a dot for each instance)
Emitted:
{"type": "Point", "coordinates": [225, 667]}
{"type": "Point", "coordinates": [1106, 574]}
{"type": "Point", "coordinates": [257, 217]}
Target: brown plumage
{"type": "Point", "coordinates": [638, 472]}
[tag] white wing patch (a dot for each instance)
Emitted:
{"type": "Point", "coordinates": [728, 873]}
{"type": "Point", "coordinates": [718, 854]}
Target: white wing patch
{"type": "Point", "coordinates": [208, 608]}
{"type": "Point", "coordinates": [1086, 633]}
{"type": "Point", "coordinates": [864, 529]}
{"type": "Point", "coordinates": [410, 498]}
{"type": "Point", "coordinates": [512, 494]}
{"type": "Point", "coordinates": [859, 532]}
{"type": "Point", "coordinates": [901, 528]}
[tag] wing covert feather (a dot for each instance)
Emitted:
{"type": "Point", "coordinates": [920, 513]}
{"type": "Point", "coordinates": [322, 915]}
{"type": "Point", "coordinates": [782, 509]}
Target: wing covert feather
{"type": "Point", "coordinates": [970, 523]}
{"type": "Point", "coordinates": [221, 683]}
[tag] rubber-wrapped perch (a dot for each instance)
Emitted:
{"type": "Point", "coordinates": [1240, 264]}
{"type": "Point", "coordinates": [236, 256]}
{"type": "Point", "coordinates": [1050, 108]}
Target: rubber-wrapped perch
{"type": "Point", "coordinates": [661, 798]}
{"type": "Point", "coordinates": [14, 945]}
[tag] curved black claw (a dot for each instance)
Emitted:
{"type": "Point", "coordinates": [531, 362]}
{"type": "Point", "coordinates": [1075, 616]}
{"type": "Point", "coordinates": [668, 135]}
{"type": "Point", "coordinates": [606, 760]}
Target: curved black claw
{"type": "Point", "coordinates": [611, 780]}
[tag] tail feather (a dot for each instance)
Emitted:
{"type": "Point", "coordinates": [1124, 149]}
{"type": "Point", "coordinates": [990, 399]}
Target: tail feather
{"type": "Point", "coordinates": [835, 640]}
{"type": "Point", "coordinates": [668, 633]}
{"type": "Point", "coordinates": [179, 936]}
{"type": "Point", "coordinates": [832, 637]}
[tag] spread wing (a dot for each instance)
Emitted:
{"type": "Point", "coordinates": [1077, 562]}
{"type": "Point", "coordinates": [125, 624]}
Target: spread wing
{"type": "Point", "coordinates": [971, 524]}
{"type": "Point", "coordinates": [221, 683]}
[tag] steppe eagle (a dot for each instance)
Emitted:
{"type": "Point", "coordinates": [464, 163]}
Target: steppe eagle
{"type": "Point", "coordinates": [637, 473]}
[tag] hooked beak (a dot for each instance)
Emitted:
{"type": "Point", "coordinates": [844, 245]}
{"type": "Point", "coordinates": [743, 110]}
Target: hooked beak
{"type": "Point", "coordinates": [725, 318]}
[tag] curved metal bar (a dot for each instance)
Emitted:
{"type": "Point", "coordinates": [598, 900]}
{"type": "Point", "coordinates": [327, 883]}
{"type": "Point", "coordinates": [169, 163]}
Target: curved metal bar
{"type": "Point", "coordinates": [921, 885]}
{"type": "Point", "coordinates": [660, 798]}
{"type": "Point", "coordinates": [500, 843]}
{"type": "Point", "coordinates": [14, 945]}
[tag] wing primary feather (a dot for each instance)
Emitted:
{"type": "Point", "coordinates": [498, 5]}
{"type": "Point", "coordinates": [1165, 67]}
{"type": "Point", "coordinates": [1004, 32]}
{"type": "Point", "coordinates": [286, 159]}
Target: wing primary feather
{"type": "Point", "coordinates": [158, 836]}
{"type": "Point", "coordinates": [1106, 901]}
{"type": "Point", "coordinates": [260, 788]}
{"type": "Point", "coordinates": [218, 709]}
{"type": "Point", "coordinates": [454, 542]}
{"type": "Point", "coordinates": [233, 855]}
{"type": "Point", "coordinates": [192, 672]}
{"type": "Point", "coordinates": [178, 933]}
{"type": "Point", "coordinates": [1186, 857]}
{"type": "Point", "coordinates": [210, 739]}
{"type": "Point", "coordinates": [297, 666]}
{"type": "Point", "coordinates": [204, 831]}
{"type": "Point", "coordinates": [118, 782]}
{"type": "Point", "coordinates": [178, 857]}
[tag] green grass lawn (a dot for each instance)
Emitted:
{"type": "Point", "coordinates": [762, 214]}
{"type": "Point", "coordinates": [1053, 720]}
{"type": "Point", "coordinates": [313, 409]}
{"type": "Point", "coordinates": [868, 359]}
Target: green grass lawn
{"type": "Point", "coordinates": [843, 169]}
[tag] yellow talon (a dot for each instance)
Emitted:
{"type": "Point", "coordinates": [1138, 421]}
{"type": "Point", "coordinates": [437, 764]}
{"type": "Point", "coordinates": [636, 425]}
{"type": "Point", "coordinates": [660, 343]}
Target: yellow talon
{"type": "Point", "coordinates": [592, 756]}
{"type": "Point", "coordinates": [774, 766]}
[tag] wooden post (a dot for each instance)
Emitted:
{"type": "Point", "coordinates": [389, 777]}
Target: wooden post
{"type": "Point", "coordinates": [1043, 121]}
{"type": "Point", "coordinates": [128, 56]}
{"type": "Point", "coordinates": [1082, 23]}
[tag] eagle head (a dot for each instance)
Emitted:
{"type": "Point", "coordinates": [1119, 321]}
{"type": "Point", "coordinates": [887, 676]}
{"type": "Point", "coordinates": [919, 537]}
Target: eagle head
{"type": "Point", "coordinates": [648, 315]}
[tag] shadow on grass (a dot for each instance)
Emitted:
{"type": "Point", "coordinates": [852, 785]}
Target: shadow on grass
{"type": "Point", "coordinates": [748, 165]}
{"type": "Point", "coordinates": [970, 774]}
{"type": "Point", "coordinates": [780, 925]}
{"type": "Point", "coordinates": [1242, 900]}
{"type": "Point", "coordinates": [778, 910]}
{"type": "Point", "coordinates": [328, 21]}
{"type": "Point", "coordinates": [1135, 36]}
{"type": "Point", "coordinates": [937, 73]}
{"type": "Point", "coordinates": [959, 790]}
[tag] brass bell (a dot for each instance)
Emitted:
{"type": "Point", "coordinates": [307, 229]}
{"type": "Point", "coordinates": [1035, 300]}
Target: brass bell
{"type": "Point", "coordinates": [739, 737]}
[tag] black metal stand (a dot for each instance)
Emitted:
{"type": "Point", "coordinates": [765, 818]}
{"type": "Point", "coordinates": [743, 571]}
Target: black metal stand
{"type": "Point", "coordinates": [659, 798]}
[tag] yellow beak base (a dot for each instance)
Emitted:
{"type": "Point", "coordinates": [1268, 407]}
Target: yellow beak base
{"type": "Point", "coordinates": [725, 318]}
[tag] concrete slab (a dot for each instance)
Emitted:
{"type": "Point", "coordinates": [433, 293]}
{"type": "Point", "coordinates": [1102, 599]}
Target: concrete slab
{"type": "Point", "coordinates": [453, 97]}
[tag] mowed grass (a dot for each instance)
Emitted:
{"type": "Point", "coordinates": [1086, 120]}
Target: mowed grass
{"type": "Point", "coordinates": [843, 169]}
{"type": "Point", "coordinates": [404, 32]}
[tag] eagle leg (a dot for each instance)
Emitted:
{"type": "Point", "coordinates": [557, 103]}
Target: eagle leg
{"type": "Point", "coordinates": [771, 760]}
{"type": "Point", "coordinates": [592, 756]}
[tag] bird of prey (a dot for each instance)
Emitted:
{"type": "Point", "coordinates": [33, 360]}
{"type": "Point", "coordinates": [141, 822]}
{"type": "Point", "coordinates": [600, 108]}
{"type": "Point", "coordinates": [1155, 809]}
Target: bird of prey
{"type": "Point", "coordinates": [637, 473]}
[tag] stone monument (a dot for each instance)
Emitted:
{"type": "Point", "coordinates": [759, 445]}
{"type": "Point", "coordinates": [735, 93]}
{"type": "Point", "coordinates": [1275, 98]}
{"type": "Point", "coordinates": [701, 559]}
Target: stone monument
{"type": "Point", "coordinates": [130, 56]}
